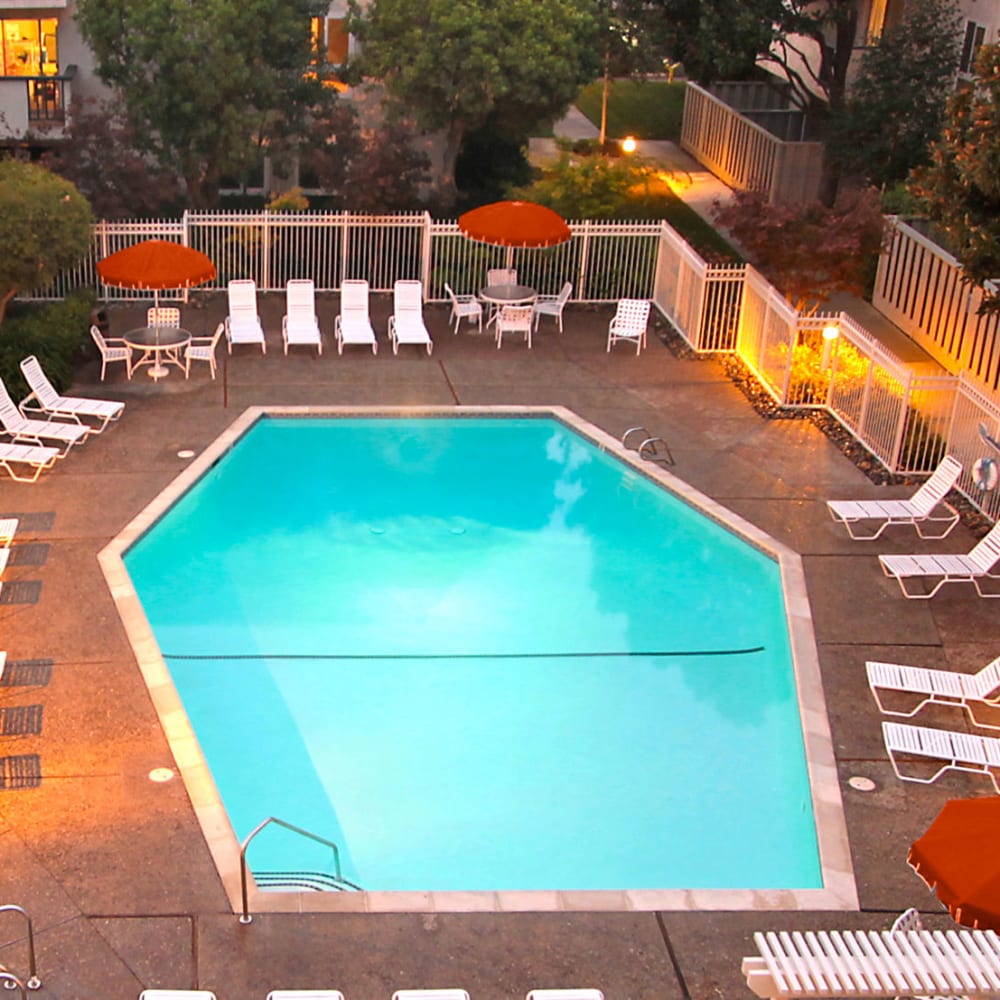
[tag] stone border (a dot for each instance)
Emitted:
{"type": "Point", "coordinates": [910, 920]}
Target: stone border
{"type": "Point", "coordinates": [839, 890]}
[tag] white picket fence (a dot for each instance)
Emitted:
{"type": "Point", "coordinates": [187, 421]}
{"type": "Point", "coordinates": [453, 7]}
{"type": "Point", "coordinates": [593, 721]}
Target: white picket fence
{"type": "Point", "coordinates": [605, 261]}
{"type": "Point", "coordinates": [920, 287]}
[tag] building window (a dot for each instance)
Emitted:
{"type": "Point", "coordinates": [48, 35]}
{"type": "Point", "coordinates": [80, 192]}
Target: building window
{"type": "Point", "coordinates": [876, 21]}
{"type": "Point", "coordinates": [975, 35]}
{"type": "Point", "coordinates": [29, 46]}
{"type": "Point", "coordinates": [330, 39]}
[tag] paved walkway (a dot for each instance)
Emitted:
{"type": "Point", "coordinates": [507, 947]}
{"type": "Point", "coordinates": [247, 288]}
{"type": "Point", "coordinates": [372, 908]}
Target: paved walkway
{"type": "Point", "coordinates": [114, 868]}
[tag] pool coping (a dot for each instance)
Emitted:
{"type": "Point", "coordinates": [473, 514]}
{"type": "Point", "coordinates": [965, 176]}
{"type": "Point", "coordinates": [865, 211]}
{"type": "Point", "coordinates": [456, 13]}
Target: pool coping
{"type": "Point", "coordinates": [839, 890]}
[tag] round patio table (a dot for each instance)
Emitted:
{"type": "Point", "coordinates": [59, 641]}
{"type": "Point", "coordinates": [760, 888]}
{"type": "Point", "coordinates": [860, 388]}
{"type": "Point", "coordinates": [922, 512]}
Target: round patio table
{"type": "Point", "coordinates": [499, 296]}
{"type": "Point", "coordinates": [158, 346]}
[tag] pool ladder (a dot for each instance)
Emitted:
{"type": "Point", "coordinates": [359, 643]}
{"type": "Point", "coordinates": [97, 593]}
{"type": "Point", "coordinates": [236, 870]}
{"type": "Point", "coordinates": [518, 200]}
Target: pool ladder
{"type": "Point", "coordinates": [652, 449]}
{"type": "Point", "coordinates": [8, 979]}
{"type": "Point", "coordinates": [317, 881]}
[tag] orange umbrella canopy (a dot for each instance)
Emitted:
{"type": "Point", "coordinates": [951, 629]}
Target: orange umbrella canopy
{"type": "Point", "coordinates": [156, 264]}
{"type": "Point", "coordinates": [514, 224]}
{"type": "Point", "coordinates": [958, 858]}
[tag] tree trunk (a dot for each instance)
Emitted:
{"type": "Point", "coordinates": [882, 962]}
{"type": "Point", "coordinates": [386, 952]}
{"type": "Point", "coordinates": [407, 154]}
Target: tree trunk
{"type": "Point", "coordinates": [603, 137]}
{"type": "Point", "coordinates": [7, 296]}
{"type": "Point", "coordinates": [449, 156]}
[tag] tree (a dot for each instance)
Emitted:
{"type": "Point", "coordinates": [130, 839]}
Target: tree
{"type": "Point", "coordinates": [453, 64]}
{"type": "Point", "coordinates": [960, 189]}
{"type": "Point", "coordinates": [100, 158]}
{"type": "Point", "coordinates": [896, 105]}
{"type": "Point", "coordinates": [808, 252]}
{"type": "Point", "coordinates": [45, 226]}
{"type": "Point", "coordinates": [205, 83]}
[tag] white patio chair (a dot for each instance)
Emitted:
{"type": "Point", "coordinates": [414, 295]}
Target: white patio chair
{"type": "Point", "coordinates": [918, 510]}
{"type": "Point", "coordinates": [25, 462]}
{"type": "Point", "coordinates": [936, 687]}
{"type": "Point", "coordinates": [21, 430]}
{"type": "Point", "coordinates": [243, 323]}
{"type": "Point", "coordinates": [44, 399]}
{"type": "Point", "coordinates": [163, 316]}
{"type": "Point", "coordinates": [553, 305]}
{"type": "Point", "coordinates": [464, 307]}
{"type": "Point", "coordinates": [514, 319]}
{"type": "Point", "coordinates": [955, 751]}
{"type": "Point", "coordinates": [501, 276]}
{"type": "Point", "coordinates": [974, 568]}
{"type": "Point", "coordinates": [203, 349]}
{"type": "Point", "coordinates": [629, 323]}
{"type": "Point", "coordinates": [112, 349]}
{"type": "Point", "coordinates": [299, 325]}
{"type": "Point", "coordinates": [406, 324]}
{"type": "Point", "coordinates": [353, 324]}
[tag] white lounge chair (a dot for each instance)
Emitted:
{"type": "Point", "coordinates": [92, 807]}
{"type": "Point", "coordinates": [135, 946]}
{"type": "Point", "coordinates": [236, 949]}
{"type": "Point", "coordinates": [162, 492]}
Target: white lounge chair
{"type": "Point", "coordinates": [21, 430]}
{"type": "Point", "coordinates": [629, 323]}
{"type": "Point", "coordinates": [553, 305]}
{"type": "Point", "coordinates": [936, 687]}
{"type": "Point", "coordinates": [112, 349]}
{"type": "Point", "coordinates": [176, 995]}
{"type": "Point", "coordinates": [972, 568]}
{"type": "Point", "coordinates": [501, 276]}
{"type": "Point", "coordinates": [430, 995]}
{"type": "Point", "coordinates": [202, 349]}
{"type": "Point", "coordinates": [299, 325]}
{"type": "Point", "coordinates": [464, 307]}
{"type": "Point", "coordinates": [918, 510]}
{"type": "Point", "coordinates": [26, 462]}
{"type": "Point", "coordinates": [353, 325]}
{"type": "Point", "coordinates": [406, 324]}
{"type": "Point", "coordinates": [243, 323]}
{"type": "Point", "coordinates": [957, 751]}
{"type": "Point", "coordinates": [514, 319]}
{"type": "Point", "coordinates": [565, 995]}
{"type": "Point", "coordinates": [8, 526]}
{"type": "Point", "coordinates": [305, 995]}
{"type": "Point", "coordinates": [44, 399]}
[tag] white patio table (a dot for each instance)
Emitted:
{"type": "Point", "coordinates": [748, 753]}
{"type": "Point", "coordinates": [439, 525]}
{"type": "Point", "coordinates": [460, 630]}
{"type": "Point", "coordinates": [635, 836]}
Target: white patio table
{"type": "Point", "coordinates": [874, 964]}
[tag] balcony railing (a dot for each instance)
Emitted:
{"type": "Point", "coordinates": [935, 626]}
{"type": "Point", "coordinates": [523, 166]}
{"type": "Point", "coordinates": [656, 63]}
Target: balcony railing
{"type": "Point", "coordinates": [35, 103]}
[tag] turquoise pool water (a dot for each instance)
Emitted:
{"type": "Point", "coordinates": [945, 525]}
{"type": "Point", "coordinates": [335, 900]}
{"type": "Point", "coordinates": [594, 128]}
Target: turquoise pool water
{"type": "Point", "coordinates": [480, 654]}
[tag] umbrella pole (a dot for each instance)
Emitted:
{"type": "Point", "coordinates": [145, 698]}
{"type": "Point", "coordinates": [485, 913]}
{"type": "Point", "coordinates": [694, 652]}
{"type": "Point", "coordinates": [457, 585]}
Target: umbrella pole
{"type": "Point", "coordinates": [509, 259]}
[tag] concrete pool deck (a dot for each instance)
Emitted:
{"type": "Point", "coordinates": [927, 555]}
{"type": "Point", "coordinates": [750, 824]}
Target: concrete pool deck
{"type": "Point", "coordinates": [114, 869]}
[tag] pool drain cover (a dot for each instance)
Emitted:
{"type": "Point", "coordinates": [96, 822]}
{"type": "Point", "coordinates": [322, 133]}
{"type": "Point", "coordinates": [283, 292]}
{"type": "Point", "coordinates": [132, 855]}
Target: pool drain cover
{"type": "Point", "coordinates": [26, 673]}
{"type": "Point", "coordinates": [22, 771]}
{"type": "Point", "coordinates": [21, 720]}
{"type": "Point", "coordinates": [861, 784]}
{"type": "Point", "coordinates": [20, 591]}
{"type": "Point", "coordinates": [29, 554]}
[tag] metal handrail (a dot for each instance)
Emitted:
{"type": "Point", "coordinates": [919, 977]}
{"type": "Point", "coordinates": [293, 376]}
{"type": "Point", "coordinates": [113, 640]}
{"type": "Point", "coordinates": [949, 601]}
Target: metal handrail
{"type": "Point", "coordinates": [11, 982]}
{"type": "Point", "coordinates": [32, 982]}
{"type": "Point", "coordinates": [245, 917]}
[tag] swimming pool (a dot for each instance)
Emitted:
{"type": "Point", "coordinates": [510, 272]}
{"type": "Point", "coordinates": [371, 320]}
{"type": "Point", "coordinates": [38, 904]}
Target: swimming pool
{"type": "Point", "coordinates": [568, 680]}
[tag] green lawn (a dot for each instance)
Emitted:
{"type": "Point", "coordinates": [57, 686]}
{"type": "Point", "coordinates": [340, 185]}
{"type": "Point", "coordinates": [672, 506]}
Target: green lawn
{"type": "Point", "coordinates": [647, 109]}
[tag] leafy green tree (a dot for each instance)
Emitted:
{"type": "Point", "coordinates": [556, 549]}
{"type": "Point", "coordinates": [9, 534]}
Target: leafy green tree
{"type": "Point", "coordinates": [45, 226]}
{"type": "Point", "coordinates": [452, 64]}
{"type": "Point", "coordinates": [594, 188]}
{"type": "Point", "coordinates": [896, 105]}
{"type": "Point", "coordinates": [960, 189]}
{"type": "Point", "coordinates": [205, 83]}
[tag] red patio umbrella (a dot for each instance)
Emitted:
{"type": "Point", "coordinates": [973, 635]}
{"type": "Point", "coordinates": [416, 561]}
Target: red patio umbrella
{"type": "Point", "coordinates": [156, 264]}
{"type": "Point", "coordinates": [958, 859]}
{"type": "Point", "coordinates": [514, 224]}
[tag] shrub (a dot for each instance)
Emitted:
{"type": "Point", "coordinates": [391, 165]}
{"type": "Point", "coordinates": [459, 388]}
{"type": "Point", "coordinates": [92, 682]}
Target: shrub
{"type": "Point", "coordinates": [54, 332]}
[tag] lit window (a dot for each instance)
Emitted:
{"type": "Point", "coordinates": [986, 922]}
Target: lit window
{"type": "Point", "coordinates": [29, 46]}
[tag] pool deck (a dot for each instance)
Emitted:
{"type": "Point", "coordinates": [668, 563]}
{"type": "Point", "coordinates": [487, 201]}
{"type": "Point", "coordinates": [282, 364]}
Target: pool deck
{"type": "Point", "coordinates": [114, 868]}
